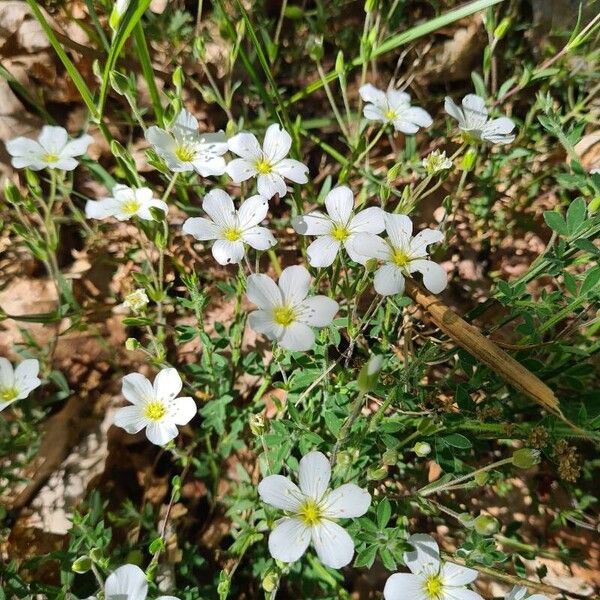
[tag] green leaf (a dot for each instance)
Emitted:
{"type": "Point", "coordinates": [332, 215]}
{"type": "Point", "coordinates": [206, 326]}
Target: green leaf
{"type": "Point", "coordinates": [576, 215]}
{"type": "Point", "coordinates": [591, 280]}
{"type": "Point", "coordinates": [457, 440]}
{"type": "Point", "coordinates": [556, 222]}
{"type": "Point", "coordinates": [384, 512]}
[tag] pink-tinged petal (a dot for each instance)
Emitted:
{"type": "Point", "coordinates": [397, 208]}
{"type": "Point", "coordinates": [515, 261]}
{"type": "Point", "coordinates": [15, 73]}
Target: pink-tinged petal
{"type": "Point", "coordinates": [252, 211]}
{"type": "Point", "coordinates": [130, 418]}
{"type": "Point", "coordinates": [347, 501]}
{"type": "Point", "coordinates": [263, 291]}
{"type": "Point", "coordinates": [280, 492]}
{"type": "Point", "coordinates": [245, 145]}
{"type": "Point", "coordinates": [202, 229]}
{"type": "Point", "coordinates": [369, 220]}
{"type": "Point", "coordinates": [314, 474]}
{"type": "Point", "coordinates": [289, 540]}
{"type": "Point", "coordinates": [318, 311]}
{"type": "Point", "coordinates": [399, 229]}
{"type": "Point", "coordinates": [182, 410]}
{"type": "Point", "coordinates": [294, 283]}
{"type": "Point", "coordinates": [434, 275]}
{"type": "Point", "coordinates": [425, 558]}
{"type": "Point", "coordinates": [277, 143]}
{"type": "Point", "coordinates": [314, 223]}
{"type": "Point", "coordinates": [136, 388]}
{"type": "Point", "coordinates": [161, 433]}
{"type": "Point", "coordinates": [404, 586]}
{"type": "Point", "coordinates": [389, 280]}
{"type": "Point", "coordinates": [297, 337]}
{"type": "Point", "coordinates": [333, 544]}
{"type": "Point", "coordinates": [293, 170]}
{"type": "Point", "coordinates": [271, 184]}
{"type": "Point", "coordinates": [239, 169]}
{"type": "Point", "coordinates": [259, 238]}
{"type": "Point", "coordinates": [218, 205]}
{"type": "Point", "coordinates": [167, 384]}
{"type": "Point", "coordinates": [339, 203]}
{"type": "Point", "coordinates": [457, 575]}
{"type": "Point", "coordinates": [322, 252]}
{"type": "Point", "coordinates": [228, 253]}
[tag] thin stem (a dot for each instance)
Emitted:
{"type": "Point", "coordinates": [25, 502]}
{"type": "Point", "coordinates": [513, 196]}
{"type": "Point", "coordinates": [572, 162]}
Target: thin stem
{"type": "Point", "coordinates": [347, 426]}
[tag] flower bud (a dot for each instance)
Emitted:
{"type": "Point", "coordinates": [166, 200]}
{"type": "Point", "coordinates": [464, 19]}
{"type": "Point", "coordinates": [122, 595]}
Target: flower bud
{"type": "Point", "coordinates": [525, 458]}
{"type": "Point", "coordinates": [486, 525]}
{"type": "Point", "coordinates": [136, 300]}
{"type": "Point", "coordinates": [468, 159]}
{"type": "Point", "coordinates": [315, 47]}
{"type": "Point", "coordinates": [269, 582]}
{"type": "Point", "coordinates": [132, 344]}
{"type": "Point", "coordinates": [436, 161]}
{"type": "Point", "coordinates": [389, 457]}
{"type": "Point", "coordinates": [502, 28]}
{"type": "Point", "coordinates": [339, 63]}
{"type": "Point", "coordinates": [377, 473]}
{"type": "Point", "coordinates": [258, 425]}
{"type": "Point", "coordinates": [367, 378]}
{"type": "Point", "coordinates": [421, 449]}
{"type": "Point", "coordinates": [344, 458]}
{"type": "Point", "coordinates": [82, 564]}
{"type": "Point", "coordinates": [481, 478]}
{"type": "Point", "coordinates": [371, 265]}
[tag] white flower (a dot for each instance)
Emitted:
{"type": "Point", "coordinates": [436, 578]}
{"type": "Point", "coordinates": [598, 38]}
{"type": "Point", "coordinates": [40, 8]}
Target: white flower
{"type": "Point", "coordinates": [520, 593]}
{"type": "Point", "coordinates": [402, 255]}
{"type": "Point", "coordinates": [436, 161]}
{"type": "Point", "coordinates": [125, 203]}
{"type": "Point", "coordinates": [16, 384]}
{"type": "Point", "coordinates": [430, 578]}
{"type": "Point", "coordinates": [136, 300]}
{"type": "Point", "coordinates": [231, 228]}
{"type": "Point", "coordinates": [312, 510]}
{"type": "Point", "coordinates": [128, 583]}
{"type": "Point", "coordinates": [473, 120]}
{"type": "Point", "coordinates": [155, 407]}
{"type": "Point", "coordinates": [285, 313]}
{"type": "Point", "coordinates": [183, 148]}
{"type": "Point", "coordinates": [339, 226]}
{"type": "Point", "coordinates": [53, 150]}
{"type": "Point", "coordinates": [393, 107]}
{"type": "Point", "coordinates": [268, 164]}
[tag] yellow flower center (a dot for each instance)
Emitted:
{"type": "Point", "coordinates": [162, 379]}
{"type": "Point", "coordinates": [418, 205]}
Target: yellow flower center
{"type": "Point", "coordinates": [310, 513]}
{"type": "Point", "coordinates": [340, 233]}
{"type": "Point", "coordinates": [263, 166]}
{"type": "Point", "coordinates": [284, 315]}
{"type": "Point", "coordinates": [8, 394]}
{"type": "Point", "coordinates": [185, 153]}
{"type": "Point", "coordinates": [49, 157]}
{"type": "Point", "coordinates": [400, 258]}
{"type": "Point", "coordinates": [390, 114]}
{"type": "Point", "coordinates": [130, 207]}
{"type": "Point", "coordinates": [434, 586]}
{"type": "Point", "coordinates": [232, 234]}
{"type": "Point", "coordinates": [155, 410]}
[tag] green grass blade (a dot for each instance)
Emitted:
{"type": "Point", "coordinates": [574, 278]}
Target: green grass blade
{"type": "Point", "coordinates": [20, 90]}
{"type": "Point", "coordinates": [126, 25]}
{"type": "Point", "coordinates": [401, 39]}
{"type": "Point", "coordinates": [144, 56]}
{"type": "Point", "coordinates": [77, 79]}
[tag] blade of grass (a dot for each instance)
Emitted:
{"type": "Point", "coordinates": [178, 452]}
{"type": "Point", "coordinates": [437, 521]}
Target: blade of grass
{"type": "Point", "coordinates": [19, 89]}
{"type": "Point", "coordinates": [144, 56]}
{"type": "Point", "coordinates": [94, 16]}
{"type": "Point", "coordinates": [401, 39]}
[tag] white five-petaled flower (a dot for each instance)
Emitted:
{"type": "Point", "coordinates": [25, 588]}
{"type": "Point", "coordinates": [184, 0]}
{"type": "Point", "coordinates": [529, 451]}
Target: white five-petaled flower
{"type": "Point", "coordinates": [16, 384]}
{"type": "Point", "coordinates": [183, 148]}
{"type": "Point", "coordinates": [128, 583]}
{"type": "Point", "coordinates": [520, 593]}
{"type": "Point", "coordinates": [338, 227]}
{"type": "Point", "coordinates": [231, 228]}
{"type": "Point", "coordinates": [268, 164]}
{"type": "Point", "coordinates": [393, 107]}
{"type": "Point", "coordinates": [473, 120]}
{"type": "Point", "coordinates": [402, 255]}
{"type": "Point", "coordinates": [430, 578]}
{"type": "Point", "coordinates": [125, 203]}
{"type": "Point", "coordinates": [312, 510]}
{"type": "Point", "coordinates": [52, 150]}
{"type": "Point", "coordinates": [155, 407]}
{"type": "Point", "coordinates": [285, 314]}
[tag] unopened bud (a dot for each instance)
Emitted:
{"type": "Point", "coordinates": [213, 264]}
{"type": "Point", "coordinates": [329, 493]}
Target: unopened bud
{"type": "Point", "coordinates": [468, 159]}
{"type": "Point", "coordinates": [82, 564]}
{"type": "Point", "coordinates": [377, 473]}
{"type": "Point", "coordinates": [481, 478]}
{"type": "Point", "coordinates": [367, 378]}
{"type": "Point", "coordinates": [131, 344]}
{"type": "Point", "coordinates": [389, 457]}
{"type": "Point", "coordinates": [525, 458]}
{"type": "Point", "coordinates": [421, 449]}
{"type": "Point", "coordinates": [269, 582]}
{"type": "Point", "coordinates": [257, 424]}
{"type": "Point", "coordinates": [502, 28]}
{"type": "Point", "coordinates": [486, 525]}
{"type": "Point", "coordinates": [339, 63]}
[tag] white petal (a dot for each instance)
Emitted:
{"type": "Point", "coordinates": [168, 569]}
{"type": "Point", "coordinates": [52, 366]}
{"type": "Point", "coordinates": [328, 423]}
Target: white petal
{"type": "Point", "coordinates": [425, 558]}
{"type": "Point", "coordinates": [182, 410]}
{"type": "Point", "coordinates": [161, 433]}
{"type": "Point", "coordinates": [322, 252]}
{"type": "Point", "coordinates": [418, 116]}
{"type": "Point", "coordinates": [262, 322]}
{"type": "Point", "coordinates": [418, 245]}
{"type": "Point", "coordinates": [260, 238]}
{"type": "Point", "coordinates": [35, 164]}
{"type": "Point", "coordinates": [314, 223]}
{"type": "Point", "coordinates": [460, 593]}
{"type": "Point", "coordinates": [245, 145]}
{"type": "Point", "coordinates": [239, 169]}
{"type": "Point", "coordinates": [404, 586]}
{"type": "Point", "coordinates": [293, 170]}
{"type": "Point", "coordinates": [369, 220]}
{"type": "Point", "coordinates": [218, 205]}
{"type": "Point", "coordinates": [398, 100]}
{"type": "Point", "coordinates": [129, 581]}
{"type": "Point", "coordinates": [375, 113]}
{"type": "Point", "coordinates": [280, 492]}
{"type": "Point", "coordinates": [144, 210]}
{"type": "Point", "coordinates": [369, 93]}
{"type": "Point", "coordinates": [130, 418]}
{"type": "Point", "coordinates": [186, 122]}
{"type": "Point", "coordinates": [252, 211]}
{"type": "Point", "coordinates": [26, 377]}
{"type": "Point", "coordinates": [228, 253]}
{"type": "Point", "coordinates": [213, 143]}
{"type": "Point", "coordinates": [53, 138]}
{"type": "Point", "coordinates": [294, 283]}
{"type": "Point", "coordinates": [7, 376]}
{"type": "Point", "coordinates": [263, 291]}
{"type": "Point", "coordinates": [66, 164]}
{"type": "Point", "coordinates": [333, 544]}
{"type": "Point", "coordinates": [314, 474]}
{"type": "Point", "coordinates": [389, 280]}
{"type": "Point", "coordinates": [23, 146]}
{"type": "Point", "coordinates": [456, 575]}
{"type": "Point", "coordinates": [202, 229]}
{"type": "Point", "coordinates": [167, 384]}
{"type": "Point", "coordinates": [364, 246]}
{"type": "Point", "coordinates": [297, 337]}
{"type": "Point", "coordinates": [159, 138]}
{"type": "Point", "coordinates": [475, 112]}
{"type": "Point", "coordinates": [434, 275]}
{"type": "Point", "coordinates": [289, 540]}
{"type": "Point", "coordinates": [399, 229]}
{"type": "Point", "coordinates": [277, 143]}
{"type": "Point", "coordinates": [339, 203]}
{"type": "Point", "coordinates": [78, 146]}
{"type": "Point", "coordinates": [136, 388]}
{"type": "Point", "coordinates": [209, 166]}
{"type": "Point", "coordinates": [318, 311]}
{"type": "Point", "coordinates": [498, 131]}
{"type": "Point", "coordinates": [347, 501]}
{"type": "Point", "coordinates": [405, 126]}
{"type": "Point", "coordinates": [271, 184]}
{"type": "Point", "coordinates": [454, 111]}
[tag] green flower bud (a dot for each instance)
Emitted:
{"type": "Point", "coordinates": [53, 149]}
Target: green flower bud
{"type": "Point", "coordinates": [486, 525]}
{"type": "Point", "coordinates": [371, 265]}
{"type": "Point", "coordinates": [178, 78]}
{"type": "Point", "coordinates": [269, 582]}
{"type": "Point", "coordinates": [119, 83]}
{"type": "Point", "coordinates": [377, 473]}
{"type": "Point", "coordinates": [344, 458]}
{"type": "Point", "coordinates": [390, 457]}
{"type": "Point", "coordinates": [421, 449]}
{"type": "Point", "coordinates": [502, 28]}
{"type": "Point", "coordinates": [339, 63]}
{"type": "Point", "coordinates": [11, 193]}
{"type": "Point", "coordinates": [315, 47]}
{"type": "Point", "coordinates": [481, 478]}
{"type": "Point", "coordinates": [367, 378]}
{"type": "Point", "coordinates": [132, 344]}
{"type": "Point", "coordinates": [96, 555]}
{"type": "Point", "coordinates": [468, 159]}
{"type": "Point", "coordinates": [81, 565]}
{"type": "Point", "coordinates": [525, 458]}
